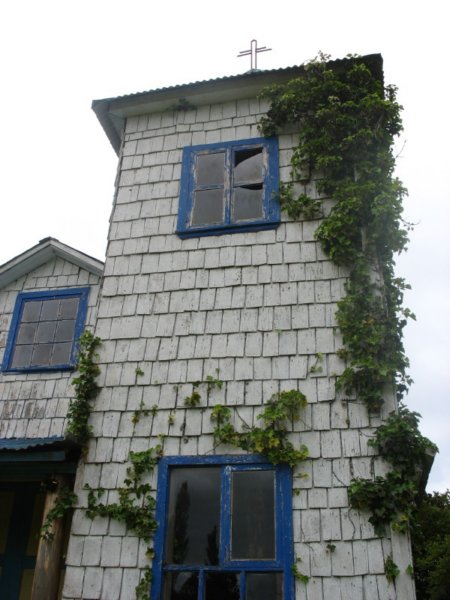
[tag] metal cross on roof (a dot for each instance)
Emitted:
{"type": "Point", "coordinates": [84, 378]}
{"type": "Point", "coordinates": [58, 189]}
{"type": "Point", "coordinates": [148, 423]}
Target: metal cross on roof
{"type": "Point", "coordinates": [253, 52]}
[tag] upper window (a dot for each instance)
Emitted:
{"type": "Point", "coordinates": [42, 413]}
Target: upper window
{"type": "Point", "coordinates": [44, 329]}
{"type": "Point", "coordinates": [225, 530]}
{"type": "Point", "coordinates": [229, 187]}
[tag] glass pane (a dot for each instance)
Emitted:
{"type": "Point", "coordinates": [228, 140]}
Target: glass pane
{"type": "Point", "coordinates": [247, 203]}
{"type": "Point", "coordinates": [253, 515]}
{"type": "Point", "coordinates": [26, 333]}
{"type": "Point", "coordinates": [50, 310]}
{"type": "Point", "coordinates": [35, 527]}
{"type": "Point", "coordinates": [64, 331]}
{"type": "Point", "coordinates": [41, 355]}
{"type": "Point", "coordinates": [69, 308]}
{"type": "Point", "coordinates": [31, 311]}
{"type": "Point", "coordinates": [264, 586]}
{"type": "Point", "coordinates": [6, 504]}
{"type": "Point", "coordinates": [22, 356]}
{"type": "Point", "coordinates": [61, 354]}
{"type": "Point", "coordinates": [210, 169]}
{"type": "Point", "coordinates": [181, 586]}
{"type": "Point", "coordinates": [45, 332]}
{"type": "Point", "coordinates": [208, 207]}
{"type": "Point", "coordinates": [26, 584]}
{"type": "Point", "coordinates": [221, 586]}
{"type": "Point", "coordinates": [194, 516]}
{"type": "Point", "coordinates": [248, 165]}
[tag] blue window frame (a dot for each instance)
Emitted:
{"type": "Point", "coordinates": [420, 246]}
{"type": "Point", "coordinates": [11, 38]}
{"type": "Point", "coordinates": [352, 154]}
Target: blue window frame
{"type": "Point", "coordinates": [224, 529]}
{"type": "Point", "coordinates": [229, 187]}
{"type": "Point", "coordinates": [44, 329]}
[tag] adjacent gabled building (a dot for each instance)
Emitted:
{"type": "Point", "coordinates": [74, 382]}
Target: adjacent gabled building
{"type": "Point", "coordinates": [48, 295]}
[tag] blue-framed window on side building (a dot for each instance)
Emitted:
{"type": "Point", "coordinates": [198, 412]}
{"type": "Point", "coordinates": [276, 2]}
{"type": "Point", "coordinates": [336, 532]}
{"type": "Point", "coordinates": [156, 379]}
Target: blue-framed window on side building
{"type": "Point", "coordinates": [44, 329]}
{"type": "Point", "coordinates": [224, 529]}
{"type": "Point", "coordinates": [229, 187]}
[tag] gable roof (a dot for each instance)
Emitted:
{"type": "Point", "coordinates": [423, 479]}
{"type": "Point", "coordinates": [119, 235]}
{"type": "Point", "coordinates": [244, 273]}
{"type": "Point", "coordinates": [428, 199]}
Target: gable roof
{"type": "Point", "coordinates": [45, 250]}
{"type": "Point", "coordinates": [113, 112]}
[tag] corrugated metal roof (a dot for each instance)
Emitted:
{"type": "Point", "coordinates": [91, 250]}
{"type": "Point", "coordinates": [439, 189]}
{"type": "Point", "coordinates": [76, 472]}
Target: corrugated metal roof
{"type": "Point", "coordinates": [112, 112]}
{"type": "Point", "coordinates": [27, 443]}
{"type": "Point", "coordinates": [200, 82]}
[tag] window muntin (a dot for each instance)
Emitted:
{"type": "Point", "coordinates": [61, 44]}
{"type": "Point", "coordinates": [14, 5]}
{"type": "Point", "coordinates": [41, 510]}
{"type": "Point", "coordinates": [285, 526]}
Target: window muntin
{"type": "Point", "coordinates": [229, 187]}
{"type": "Point", "coordinates": [201, 552]}
{"type": "Point", "coordinates": [44, 329]}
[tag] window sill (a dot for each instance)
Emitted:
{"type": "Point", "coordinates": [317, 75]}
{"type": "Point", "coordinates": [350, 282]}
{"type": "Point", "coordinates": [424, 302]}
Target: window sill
{"type": "Point", "coordinates": [224, 229]}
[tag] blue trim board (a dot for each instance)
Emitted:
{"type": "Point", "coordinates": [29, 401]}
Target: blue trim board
{"type": "Point", "coordinates": [271, 208]}
{"type": "Point", "coordinates": [284, 555]}
{"type": "Point", "coordinates": [22, 298]}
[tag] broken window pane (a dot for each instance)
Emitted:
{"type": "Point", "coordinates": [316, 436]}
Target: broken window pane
{"type": "Point", "coordinates": [248, 165]}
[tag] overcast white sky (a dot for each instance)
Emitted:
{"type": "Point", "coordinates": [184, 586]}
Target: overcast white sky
{"type": "Point", "coordinates": [58, 169]}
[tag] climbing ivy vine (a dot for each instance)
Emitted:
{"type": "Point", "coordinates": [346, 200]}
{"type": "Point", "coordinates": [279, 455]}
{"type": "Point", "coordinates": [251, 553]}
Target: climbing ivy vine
{"type": "Point", "coordinates": [271, 439]}
{"type": "Point", "coordinates": [348, 121]}
{"type": "Point", "coordinates": [86, 389]}
{"type": "Point", "coordinates": [135, 507]}
{"type": "Point", "coordinates": [392, 499]}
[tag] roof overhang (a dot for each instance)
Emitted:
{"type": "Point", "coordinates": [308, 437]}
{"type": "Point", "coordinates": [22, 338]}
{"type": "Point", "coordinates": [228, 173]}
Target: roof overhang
{"type": "Point", "coordinates": [46, 250]}
{"type": "Point", "coordinates": [113, 112]}
{"type": "Point", "coordinates": [32, 458]}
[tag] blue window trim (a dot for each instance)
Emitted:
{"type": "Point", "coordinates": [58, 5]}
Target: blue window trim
{"type": "Point", "coordinates": [22, 298]}
{"type": "Point", "coordinates": [271, 208]}
{"type": "Point", "coordinates": [284, 538]}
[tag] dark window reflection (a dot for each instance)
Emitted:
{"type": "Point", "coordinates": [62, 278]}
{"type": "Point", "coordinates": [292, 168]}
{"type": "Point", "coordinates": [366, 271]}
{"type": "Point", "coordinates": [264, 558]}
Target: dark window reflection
{"type": "Point", "coordinates": [208, 207]}
{"type": "Point", "coordinates": [194, 516]}
{"type": "Point", "coordinates": [211, 169]}
{"type": "Point", "coordinates": [221, 586]}
{"type": "Point", "coordinates": [253, 515]}
{"type": "Point", "coordinates": [264, 586]}
{"type": "Point", "coordinates": [181, 586]}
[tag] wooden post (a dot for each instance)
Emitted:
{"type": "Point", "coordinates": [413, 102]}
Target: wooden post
{"type": "Point", "coordinates": [48, 559]}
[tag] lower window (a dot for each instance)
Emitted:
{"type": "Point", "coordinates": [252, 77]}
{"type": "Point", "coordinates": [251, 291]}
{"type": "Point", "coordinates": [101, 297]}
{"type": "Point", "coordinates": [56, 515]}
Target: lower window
{"type": "Point", "coordinates": [225, 530]}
